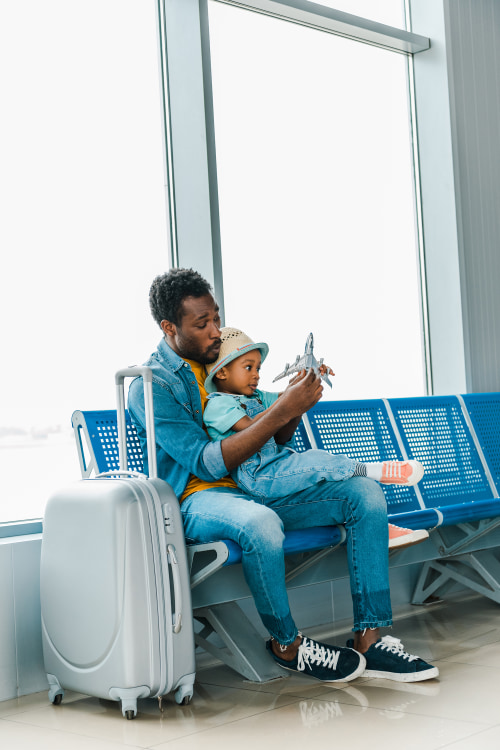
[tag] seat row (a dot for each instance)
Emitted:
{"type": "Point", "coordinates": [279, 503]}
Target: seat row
{"type": "Point", "coordinates": [454, 437]}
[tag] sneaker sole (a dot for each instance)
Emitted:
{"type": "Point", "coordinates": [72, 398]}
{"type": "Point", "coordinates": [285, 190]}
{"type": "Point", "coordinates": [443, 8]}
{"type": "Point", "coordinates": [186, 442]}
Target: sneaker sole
{"type": "Point", "coordinates": [360, 670]}
{"type": "Point", "coordinates": [409, 539]}
{"type": "Point", "coordinates": [427, 674]}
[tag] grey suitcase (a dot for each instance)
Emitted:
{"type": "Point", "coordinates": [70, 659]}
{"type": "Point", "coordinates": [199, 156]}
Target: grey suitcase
{"type": "Point", "coordinates": [115, 589]}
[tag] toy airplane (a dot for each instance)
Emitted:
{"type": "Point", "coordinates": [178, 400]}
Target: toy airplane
{"type": "Point", "coordinates": [307, 362]}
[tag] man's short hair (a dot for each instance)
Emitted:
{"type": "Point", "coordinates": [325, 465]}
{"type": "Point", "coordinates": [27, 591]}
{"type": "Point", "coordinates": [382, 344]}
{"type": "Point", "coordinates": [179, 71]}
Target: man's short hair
{"type": "Point", "coordinates": [169, 290]}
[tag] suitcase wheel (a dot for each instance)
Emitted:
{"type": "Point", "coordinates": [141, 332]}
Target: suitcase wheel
{"type": "Point", "coordinates": [130, 714]}
{"type": "Point", "coordinates": [56, 693]}
{"type": "Point", "coordinates": [183, 695]}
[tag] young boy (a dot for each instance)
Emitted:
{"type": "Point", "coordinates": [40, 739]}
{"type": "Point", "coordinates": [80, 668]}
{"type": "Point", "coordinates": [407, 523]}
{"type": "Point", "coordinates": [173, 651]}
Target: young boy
{"type": "Point", "coordinates": [277, 470]}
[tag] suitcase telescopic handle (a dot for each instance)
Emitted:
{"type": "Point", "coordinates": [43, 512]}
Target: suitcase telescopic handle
{"type": "Point", "coordinates": [147, 381]}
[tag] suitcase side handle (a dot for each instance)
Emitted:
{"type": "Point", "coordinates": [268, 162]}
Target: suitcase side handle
{"type": "Point", "coordinates": [147, 381]}
{"type": "Point", "coordinates": [177, 615]}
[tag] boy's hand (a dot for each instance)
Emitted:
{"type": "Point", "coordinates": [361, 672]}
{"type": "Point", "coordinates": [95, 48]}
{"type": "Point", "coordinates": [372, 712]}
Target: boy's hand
{"type": "Point", "coordinates": [325, 370]}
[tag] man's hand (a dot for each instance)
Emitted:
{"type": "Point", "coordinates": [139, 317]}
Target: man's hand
{"type": "Point", "coordinates": [301, 394]}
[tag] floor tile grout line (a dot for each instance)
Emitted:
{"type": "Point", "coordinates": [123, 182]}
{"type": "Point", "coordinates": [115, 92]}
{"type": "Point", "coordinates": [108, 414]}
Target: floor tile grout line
{"type": "Point", "coordinates": [73, 733]}
{"type": "Point", "coordinates": [461, 740]}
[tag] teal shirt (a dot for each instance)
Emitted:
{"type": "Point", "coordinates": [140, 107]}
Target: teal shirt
{"type": "Point", "coordinates": [223, 410]}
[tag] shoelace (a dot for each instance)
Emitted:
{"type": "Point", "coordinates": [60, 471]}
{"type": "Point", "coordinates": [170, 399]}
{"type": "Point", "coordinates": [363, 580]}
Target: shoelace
{"type": "Point", "coordinates": [311, 651]}
{"type": "Point", "coordinates": [394, 645]}
{"type": "Point", "coordinates": [393, 470]}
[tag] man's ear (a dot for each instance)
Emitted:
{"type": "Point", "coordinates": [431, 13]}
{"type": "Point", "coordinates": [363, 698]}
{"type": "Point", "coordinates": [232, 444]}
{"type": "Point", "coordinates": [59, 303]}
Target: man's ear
{"type": "Point", "coordinates": [168, 328]}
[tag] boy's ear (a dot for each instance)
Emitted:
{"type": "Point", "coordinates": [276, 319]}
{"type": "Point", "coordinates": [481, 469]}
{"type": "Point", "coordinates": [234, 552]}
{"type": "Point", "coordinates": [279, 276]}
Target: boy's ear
{"type": "Point", "coordinates": [221, 374]}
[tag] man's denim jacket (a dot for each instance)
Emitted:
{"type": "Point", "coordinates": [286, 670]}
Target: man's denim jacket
{"type": "Point", "coordinates": [182, 446]}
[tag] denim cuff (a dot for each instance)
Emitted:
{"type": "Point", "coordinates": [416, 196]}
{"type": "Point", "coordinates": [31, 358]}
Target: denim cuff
{"type": "Point", "coordinates": [282, 629]}
{"type": "Point", "coordinates": [214, 463]}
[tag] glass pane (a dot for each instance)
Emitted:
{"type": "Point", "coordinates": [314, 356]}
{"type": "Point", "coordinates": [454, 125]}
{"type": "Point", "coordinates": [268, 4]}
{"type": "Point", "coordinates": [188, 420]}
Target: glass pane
{"type": "Point", "coordinates": [83, 226]}
{"type": "Point", "coordinates": [316, 201]}
{"type": "Point", "coordinates": [390, 12]}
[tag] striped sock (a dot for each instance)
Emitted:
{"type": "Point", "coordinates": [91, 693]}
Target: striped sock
{"type": "Point", "coordinates": [360, 470]}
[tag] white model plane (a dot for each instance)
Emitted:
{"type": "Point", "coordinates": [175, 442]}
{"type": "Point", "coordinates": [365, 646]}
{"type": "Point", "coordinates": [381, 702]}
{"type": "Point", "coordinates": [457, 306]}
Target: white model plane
{"type": "Point", "coordinates": [307, 362]}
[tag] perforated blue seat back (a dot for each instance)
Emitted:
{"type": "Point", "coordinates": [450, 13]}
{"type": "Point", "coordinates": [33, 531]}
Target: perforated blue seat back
{"type": "Point", "coordinates": [434, 431]}
{"type": "Point", "coordinates": [484, 412]}
{"type": "Point", "coordinates": [302, 442]}
{"type": "Point", "coordinates": [361, 430]}
{"type": "Point", "coordinates": [103, 432]}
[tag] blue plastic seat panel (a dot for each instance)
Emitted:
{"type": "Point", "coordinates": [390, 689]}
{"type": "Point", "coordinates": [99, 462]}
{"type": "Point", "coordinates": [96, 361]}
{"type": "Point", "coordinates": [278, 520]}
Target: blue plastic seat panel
{"type": "Point", "coordinates": [468, 512]}
{"type": "Point", "coordinates": [362, 430]}
{"type": "Point", "coordinates": [447, 515]}
{"type": "Point", "coordinates": [424, 518]}
{"type": "Point", "coordinates": [484, 412]}
{"type": "Point", "coordinates": [303, 540]}
{"type": "Point", "coordinates": [302, 442]}
{"type": "Point", "coordinates": [434, 431]}
{"type": "Point", "coordinates": [103, 432]}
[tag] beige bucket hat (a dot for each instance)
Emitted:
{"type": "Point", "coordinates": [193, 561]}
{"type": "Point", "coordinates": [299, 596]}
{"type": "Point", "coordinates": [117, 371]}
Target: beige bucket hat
{"type": "Point", "coordinates": [234, 344]}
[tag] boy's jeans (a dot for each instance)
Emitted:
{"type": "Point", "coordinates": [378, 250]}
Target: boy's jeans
{"type": "Point", "coordinates": [277, 471]}
{"type": "Point", "coordinates": [359, 503]}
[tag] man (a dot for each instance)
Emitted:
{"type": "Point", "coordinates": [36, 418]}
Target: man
{"type": "Point", "coordinates": [214, 508]}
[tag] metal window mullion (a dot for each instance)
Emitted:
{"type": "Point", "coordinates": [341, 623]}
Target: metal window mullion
{"type": "Point", "coordinates": [167, 135]}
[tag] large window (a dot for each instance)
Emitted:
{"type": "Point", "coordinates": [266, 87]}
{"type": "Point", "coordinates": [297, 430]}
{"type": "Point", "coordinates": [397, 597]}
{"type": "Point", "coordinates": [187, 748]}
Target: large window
{"type": "Point", "coordinates": [314, 167]}
{"type": "Point", "coordinates": [83, 227]}
{"type": "Point", "coordinates": [317, 201]}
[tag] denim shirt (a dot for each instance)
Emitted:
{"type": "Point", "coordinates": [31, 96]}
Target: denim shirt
{"type": "Point", "coordinates": [182, 445]}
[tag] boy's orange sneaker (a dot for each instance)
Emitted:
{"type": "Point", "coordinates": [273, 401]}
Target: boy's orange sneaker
{"type": "Point", "coordinates": [399, 538]}
{"type": "Point", "coordinates": [401, 472]}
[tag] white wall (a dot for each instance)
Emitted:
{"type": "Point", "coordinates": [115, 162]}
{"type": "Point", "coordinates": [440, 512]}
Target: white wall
{"type": "Point", "coordinates": [21, 660]}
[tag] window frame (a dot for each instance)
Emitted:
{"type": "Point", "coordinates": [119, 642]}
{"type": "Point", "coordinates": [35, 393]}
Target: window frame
{"type": "Point", "coordinates": [190, 159]}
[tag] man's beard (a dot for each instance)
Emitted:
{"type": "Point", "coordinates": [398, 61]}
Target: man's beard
{"type": "Point", "coordinates": [210, 357]}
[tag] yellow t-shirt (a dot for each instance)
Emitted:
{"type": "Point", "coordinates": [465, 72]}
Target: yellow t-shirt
{"type": "Point", "coordinates": [195, 484]}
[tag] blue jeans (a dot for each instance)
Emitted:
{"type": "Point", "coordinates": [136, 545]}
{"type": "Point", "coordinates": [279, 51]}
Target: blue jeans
{"type": "Point", "coordinates": [258, 525]}
{"type": "Point", "coordinates": [277, 471]}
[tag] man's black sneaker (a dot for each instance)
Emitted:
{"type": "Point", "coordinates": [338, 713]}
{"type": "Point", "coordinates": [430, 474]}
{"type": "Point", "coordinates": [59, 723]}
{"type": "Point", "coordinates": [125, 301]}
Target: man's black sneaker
{"type": "Point", "coordinates": [387, 658]}
{"type": "Point", "coordinates": [324, 662]}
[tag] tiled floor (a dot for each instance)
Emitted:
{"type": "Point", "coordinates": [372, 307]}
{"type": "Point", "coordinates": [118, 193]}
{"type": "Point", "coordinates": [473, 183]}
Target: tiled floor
{"type": "Point", "coordinates": [461, 710]}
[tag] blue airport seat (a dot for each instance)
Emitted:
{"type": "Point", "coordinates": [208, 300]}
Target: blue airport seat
{"type": "Point", "coordinates": [362, 430]}
{"type": "Point", "coordinates": [96, 435]}
{"type": "Point", "coordinates": [434, 430]}
{"type": "Point", "coordinates": [484, 413]}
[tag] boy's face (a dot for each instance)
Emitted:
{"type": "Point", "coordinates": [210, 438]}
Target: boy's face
{"type": "Point", "coordinates": [197, 336]}
{"type": "Point", "coordinates": [241, 376]}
